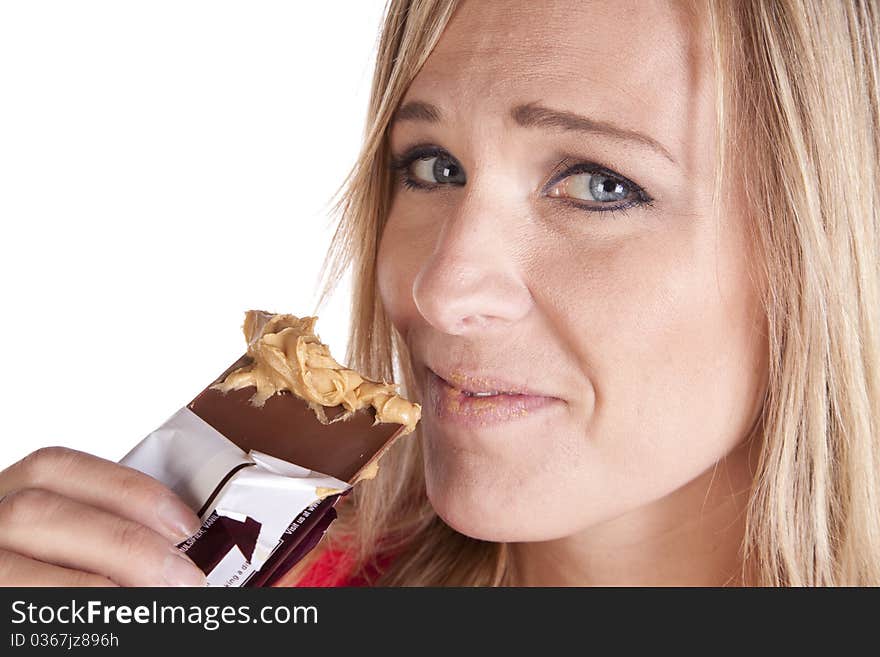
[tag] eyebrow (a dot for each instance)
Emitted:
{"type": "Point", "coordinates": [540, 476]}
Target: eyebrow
{"type": "Point", "coordinates": [534, 115]}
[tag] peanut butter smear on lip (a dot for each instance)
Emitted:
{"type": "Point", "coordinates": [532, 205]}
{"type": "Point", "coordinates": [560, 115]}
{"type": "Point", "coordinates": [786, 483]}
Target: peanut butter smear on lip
{"type": "Point", "coordinates": [288, 356]}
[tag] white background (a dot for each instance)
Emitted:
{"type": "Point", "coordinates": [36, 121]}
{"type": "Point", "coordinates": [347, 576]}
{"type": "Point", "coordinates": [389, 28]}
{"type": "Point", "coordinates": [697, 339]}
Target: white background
{"type": "Point", "coordinates": [164, 166]}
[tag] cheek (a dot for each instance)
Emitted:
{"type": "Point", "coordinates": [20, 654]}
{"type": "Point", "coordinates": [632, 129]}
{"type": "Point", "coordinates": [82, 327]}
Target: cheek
{"type": "Point", "coordinates": [672, 340]}
{"type": "Point", "coordinates": [661, 327]}
{"type": "Point", "coordinates": [403, 248]}
{"type": "Point", "coordinates": [666, 333]}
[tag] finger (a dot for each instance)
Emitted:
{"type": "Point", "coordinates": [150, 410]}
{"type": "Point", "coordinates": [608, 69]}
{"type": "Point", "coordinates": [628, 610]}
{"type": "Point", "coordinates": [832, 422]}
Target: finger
{"type": "Point", "coordinates": [43, 525]}
{"type": "Point", "coordinates": [19, 570]}
{"type": "Point", "coordinates": [100, 483]}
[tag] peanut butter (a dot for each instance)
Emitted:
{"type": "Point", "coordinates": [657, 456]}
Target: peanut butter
{"type": "Point", "coordinates": [288, 356]}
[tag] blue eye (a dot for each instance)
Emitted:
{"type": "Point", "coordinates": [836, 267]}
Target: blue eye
{"type": "Point", "coordinates": [585, 185]}
{"type": "Point", "coordinates": [439, 169]}
{"type": "Point", "coordinates": [427, 168]}
{"type": "Point", "coordinates": [592, 186]}
{"type": "Point", "coordinates": [603, 188]}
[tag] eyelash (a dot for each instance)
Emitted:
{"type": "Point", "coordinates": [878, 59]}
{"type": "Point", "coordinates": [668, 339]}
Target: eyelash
{"type": "Point", "coordinates": [400, 166]}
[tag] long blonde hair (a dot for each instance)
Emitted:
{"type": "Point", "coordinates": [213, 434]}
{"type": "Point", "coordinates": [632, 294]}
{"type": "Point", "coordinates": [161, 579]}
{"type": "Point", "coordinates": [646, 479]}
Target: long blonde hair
{"type": "Point", "coordinates": [798, 91]}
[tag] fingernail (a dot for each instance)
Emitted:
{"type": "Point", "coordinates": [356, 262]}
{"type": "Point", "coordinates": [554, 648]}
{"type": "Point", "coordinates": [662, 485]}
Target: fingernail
{"type": "Point", "coordinates": [180, 521]}
{"type": "Point", "coordinates": [180, 571]}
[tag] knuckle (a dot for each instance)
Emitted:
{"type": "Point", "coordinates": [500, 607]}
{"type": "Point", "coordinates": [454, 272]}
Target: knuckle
{"type": "Point", "coordinates": [26, 506]}
{"type": "Point", "coordinates": [8, 571]}
{"type": "Point", "coordinates": [81, 579]}
{"type": "Point", "coordinates": [137, 488]}
{"type": "Point", "coordinates": [44, 463]}
{"type": "Point", "coordinates": [17, 570]}
{"type": "Point", "coordinates": [132, 538]}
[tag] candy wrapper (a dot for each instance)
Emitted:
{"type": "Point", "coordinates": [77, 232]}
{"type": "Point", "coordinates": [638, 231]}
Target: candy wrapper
{"type": "Point", "coordinates": [264, 453]}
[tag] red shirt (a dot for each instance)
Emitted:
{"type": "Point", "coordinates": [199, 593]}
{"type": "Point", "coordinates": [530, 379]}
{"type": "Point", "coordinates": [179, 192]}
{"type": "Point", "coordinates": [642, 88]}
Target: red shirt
{"type": "Point", "coordinates": [333, 568]}
{"type": "Point", "coordinates": [329, 570]}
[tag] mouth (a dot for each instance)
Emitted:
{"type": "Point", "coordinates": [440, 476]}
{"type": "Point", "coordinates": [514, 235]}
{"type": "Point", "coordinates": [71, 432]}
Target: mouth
{"type": "Point", "coordinates": [480, 404]}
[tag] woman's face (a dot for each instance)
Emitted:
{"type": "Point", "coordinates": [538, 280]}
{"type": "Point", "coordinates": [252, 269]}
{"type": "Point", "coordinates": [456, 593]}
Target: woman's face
{"type": "Point", "coordinates": [552, 233]}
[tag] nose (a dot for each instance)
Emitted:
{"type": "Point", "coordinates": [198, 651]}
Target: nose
{"type": "Point", "coordinates": [471, 281]}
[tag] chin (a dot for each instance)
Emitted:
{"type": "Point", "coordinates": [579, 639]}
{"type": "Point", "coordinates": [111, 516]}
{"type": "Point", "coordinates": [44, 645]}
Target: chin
{"type": "Point", "coordinates": [473, 522]}
{"type": "Point", "coordinates": [484, 512]}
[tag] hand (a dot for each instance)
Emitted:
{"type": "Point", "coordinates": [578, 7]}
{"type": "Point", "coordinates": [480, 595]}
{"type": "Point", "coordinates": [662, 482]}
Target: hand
{"type": "Point", "coordinates": [68, 518]}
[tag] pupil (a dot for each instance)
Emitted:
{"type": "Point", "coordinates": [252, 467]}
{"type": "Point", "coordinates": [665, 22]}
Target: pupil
{"type": "Point", "coordinates": [444, 169]}
{"type": "Point", "coordinates": [606, 186]}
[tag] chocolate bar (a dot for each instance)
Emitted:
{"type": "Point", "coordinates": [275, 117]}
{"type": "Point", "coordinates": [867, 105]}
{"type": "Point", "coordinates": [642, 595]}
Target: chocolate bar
{"type": "Point", "coordinates": [266, 451]}
{"type": "Point", "coordinates": [286, 428]}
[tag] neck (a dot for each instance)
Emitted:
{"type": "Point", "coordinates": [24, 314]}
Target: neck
{"type": "Point", "coordinates": [691, 537]}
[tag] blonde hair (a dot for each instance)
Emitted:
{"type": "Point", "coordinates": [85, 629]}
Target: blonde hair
{"type": "Point", "coordinates": [797, 88]}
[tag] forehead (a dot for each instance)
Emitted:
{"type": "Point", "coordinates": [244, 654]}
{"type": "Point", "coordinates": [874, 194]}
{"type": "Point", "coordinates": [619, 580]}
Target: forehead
{"type": "Point", "coordinates": [633, 62]}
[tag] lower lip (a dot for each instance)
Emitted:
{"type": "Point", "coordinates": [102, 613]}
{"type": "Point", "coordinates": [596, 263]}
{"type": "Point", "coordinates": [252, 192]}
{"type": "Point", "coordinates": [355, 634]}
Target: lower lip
{"type": "Point", "coordinates": [454, 405]}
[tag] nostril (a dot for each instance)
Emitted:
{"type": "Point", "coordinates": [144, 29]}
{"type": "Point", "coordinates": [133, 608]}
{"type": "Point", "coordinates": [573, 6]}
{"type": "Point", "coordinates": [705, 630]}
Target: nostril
{"type": "Point", "coordinates": [475, 321]}
{"type": "Point", "coordinates": [467, 324]}
{"type": "Point", "coordinates": [458, 296]}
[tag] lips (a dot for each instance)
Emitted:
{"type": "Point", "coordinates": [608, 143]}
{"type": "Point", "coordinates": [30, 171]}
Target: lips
{"type": "Point", "coordinates": [484, 403]}
{"type": "Point", "coordinates": [481, 384]}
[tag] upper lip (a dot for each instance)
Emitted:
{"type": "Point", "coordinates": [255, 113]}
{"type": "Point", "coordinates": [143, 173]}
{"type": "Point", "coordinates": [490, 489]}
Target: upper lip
{"type": "Point", "coordinates": [482, 381]}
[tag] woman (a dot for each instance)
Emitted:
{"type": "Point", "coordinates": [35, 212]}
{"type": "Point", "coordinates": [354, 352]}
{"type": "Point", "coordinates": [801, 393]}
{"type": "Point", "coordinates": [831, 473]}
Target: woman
{"type": "Point", "coordinates": [627, 260]}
